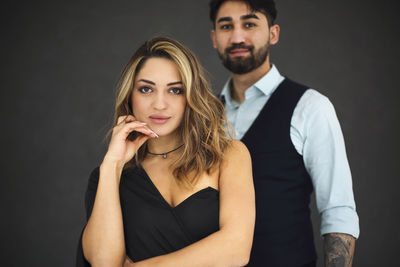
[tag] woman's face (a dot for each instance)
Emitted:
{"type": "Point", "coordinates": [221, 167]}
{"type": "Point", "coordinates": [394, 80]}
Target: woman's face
{"type": "Point", "coordinates": [158, 96]}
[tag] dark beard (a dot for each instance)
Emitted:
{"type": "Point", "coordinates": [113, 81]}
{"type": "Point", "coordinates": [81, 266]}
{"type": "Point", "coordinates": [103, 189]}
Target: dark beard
{"type": "Point", "coordinates": [242, 65]}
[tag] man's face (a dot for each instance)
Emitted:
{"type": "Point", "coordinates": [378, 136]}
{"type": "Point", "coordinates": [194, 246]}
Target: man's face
{"type": "Point", "coordinates": [242, 37]}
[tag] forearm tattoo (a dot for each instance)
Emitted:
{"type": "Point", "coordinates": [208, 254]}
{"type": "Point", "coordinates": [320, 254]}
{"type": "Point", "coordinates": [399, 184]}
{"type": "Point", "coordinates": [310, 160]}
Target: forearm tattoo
{"type": "Point", "coordinates": [339, 250]}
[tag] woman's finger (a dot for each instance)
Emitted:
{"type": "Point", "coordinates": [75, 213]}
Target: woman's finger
{"type": "Point", "coordinates": [121, 119]}
{"type": "Point", "coordinates": [125, 118]}
{"type": "Point", "coordinates": [138, 127]}
{"type": "Point", "coordinates": [146, 127]}
{"type": "Point", "coordinates": [130, 118]}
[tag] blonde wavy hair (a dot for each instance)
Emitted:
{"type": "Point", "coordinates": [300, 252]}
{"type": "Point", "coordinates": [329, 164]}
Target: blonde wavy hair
{"type": "Point", "coordinates": [203, 128]}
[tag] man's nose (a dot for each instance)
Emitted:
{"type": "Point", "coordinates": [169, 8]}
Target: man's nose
{"type": "Point", "coordinates": [238, 36]}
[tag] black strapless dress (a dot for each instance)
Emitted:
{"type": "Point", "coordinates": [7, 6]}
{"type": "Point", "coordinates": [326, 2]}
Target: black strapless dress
{"type": "Point", "coordinates": [152, 227]}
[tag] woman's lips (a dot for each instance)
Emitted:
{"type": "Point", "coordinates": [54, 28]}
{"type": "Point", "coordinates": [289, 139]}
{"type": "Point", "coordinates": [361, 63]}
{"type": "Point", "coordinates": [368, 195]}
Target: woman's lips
{"type": "Point", "coordinates": [159, 119]}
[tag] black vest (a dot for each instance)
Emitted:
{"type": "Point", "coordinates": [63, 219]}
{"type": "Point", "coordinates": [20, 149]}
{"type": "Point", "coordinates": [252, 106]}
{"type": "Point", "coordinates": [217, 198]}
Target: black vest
{"type": "Point", "coordinates": [283, 233]}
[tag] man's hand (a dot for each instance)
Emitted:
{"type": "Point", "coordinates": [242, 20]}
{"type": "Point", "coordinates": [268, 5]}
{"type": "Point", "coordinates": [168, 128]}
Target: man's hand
{"type": "Point", "coordinates": [338, 250]}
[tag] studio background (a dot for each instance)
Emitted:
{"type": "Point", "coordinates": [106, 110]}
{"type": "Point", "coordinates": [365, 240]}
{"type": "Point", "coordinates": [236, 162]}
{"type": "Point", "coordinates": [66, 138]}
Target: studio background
{"type": "Point", "coordinates": [60, 61]}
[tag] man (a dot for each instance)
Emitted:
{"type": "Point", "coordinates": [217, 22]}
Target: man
{"type": "Point", "coordinates": [294, 139]}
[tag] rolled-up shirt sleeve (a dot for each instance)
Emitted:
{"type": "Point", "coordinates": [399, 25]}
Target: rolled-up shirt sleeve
{"type": "Point", "coordinates": [325, 159]}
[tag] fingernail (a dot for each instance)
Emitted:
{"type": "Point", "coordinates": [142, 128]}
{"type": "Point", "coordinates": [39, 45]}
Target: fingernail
{"type": "Point", "coordinates": [156, 135]}
{"type": "Point", "coordinates": [143, 123]}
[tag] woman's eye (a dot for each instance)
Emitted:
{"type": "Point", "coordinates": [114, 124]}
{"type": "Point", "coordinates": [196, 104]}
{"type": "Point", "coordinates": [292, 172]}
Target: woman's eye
{"type": "Point", "coordinates": [176, 90]}
{"type": "Point", "coordinates": [145, 90]}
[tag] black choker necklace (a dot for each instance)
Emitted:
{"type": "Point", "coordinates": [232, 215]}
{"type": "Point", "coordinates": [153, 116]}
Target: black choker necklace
{"type": "Point", "coordinates": [164, 155]}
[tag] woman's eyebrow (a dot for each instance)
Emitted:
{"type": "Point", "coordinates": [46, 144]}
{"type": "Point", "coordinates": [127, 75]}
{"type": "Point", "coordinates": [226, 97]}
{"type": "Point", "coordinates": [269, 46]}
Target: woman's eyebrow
{"type": "Point", "coordinates": [147, 81]}
{"type": "Point", "coordinates": [173, 83]}
{"type": "Point", "coordinates": [153, 83]}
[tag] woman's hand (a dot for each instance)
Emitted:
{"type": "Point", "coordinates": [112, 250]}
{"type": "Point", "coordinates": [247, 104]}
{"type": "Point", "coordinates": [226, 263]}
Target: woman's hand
{"type": "Point", "coordinates": [121, 149]}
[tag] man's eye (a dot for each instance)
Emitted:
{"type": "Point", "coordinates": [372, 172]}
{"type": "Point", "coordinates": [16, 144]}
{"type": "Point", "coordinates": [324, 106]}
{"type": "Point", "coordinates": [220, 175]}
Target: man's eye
{"type": "Point", "coordinates": [145, 90]}
{"type": "Point", "coordinates": [226, 27]}
{"type": "Point", "coordinates": [249, 25]}
{"type": "Point", "coordinates": [176, 90]}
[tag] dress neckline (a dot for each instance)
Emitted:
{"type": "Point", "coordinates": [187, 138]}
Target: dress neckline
{"type": "Point", "coordinates": [147, 177]}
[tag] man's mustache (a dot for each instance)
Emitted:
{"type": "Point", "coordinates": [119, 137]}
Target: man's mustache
{"type": "Point", "coordinates": [239, 46]}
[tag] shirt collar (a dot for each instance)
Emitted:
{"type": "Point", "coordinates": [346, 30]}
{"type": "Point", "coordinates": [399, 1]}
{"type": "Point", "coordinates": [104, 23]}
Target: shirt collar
{"type": "Point", "coordinates": [266, 85]}
{"type": "Point", "coordinates": [270, 81]}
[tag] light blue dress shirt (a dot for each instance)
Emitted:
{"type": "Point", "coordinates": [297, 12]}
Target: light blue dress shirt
{"type": "Point", "coordinates": [317, 136]}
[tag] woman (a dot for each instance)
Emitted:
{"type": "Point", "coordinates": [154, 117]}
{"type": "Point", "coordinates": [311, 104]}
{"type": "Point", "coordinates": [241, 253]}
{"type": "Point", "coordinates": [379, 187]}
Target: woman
{"type": "Point", "coordinates": [173, 188]}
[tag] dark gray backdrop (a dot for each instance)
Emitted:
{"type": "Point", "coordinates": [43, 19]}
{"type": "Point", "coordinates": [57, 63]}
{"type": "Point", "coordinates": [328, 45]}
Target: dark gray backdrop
{"type": "Point", "coordinates": [60, 61]}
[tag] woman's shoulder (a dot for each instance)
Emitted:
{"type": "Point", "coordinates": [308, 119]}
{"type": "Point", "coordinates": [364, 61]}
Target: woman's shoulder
{"type": "Point", "coordinates": [235, 152]}
{"type": "Point", "coordinates": [236, 165]}
{"type": "Point", "coordinates": [235, 148]}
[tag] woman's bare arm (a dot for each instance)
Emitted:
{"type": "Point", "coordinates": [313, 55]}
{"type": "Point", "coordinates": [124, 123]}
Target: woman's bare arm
{"type": "Point", "coordinates": [103, 238]}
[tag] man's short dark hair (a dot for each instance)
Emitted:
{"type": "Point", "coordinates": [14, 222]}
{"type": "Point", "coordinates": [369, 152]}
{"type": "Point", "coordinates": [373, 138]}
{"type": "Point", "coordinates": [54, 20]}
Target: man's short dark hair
{"type": "Point", "coordinates": [267, 7]}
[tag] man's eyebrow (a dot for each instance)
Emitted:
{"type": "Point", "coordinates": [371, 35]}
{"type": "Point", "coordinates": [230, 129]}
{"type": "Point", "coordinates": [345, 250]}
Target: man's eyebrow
{"type": "Point", "coordinates": [224, 19]}
{"type": "Point", "coordinates": [249, 16]}
{"type": "Point", "coordinates": [147, 81]}
{"type": "Point", "coordinates": [244, 17]}
{"type": "Point", "coordinates": [173, 83]}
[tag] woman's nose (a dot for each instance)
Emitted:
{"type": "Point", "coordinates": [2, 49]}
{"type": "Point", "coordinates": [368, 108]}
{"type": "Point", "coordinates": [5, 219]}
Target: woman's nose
{"type": "Point", "coordinates": [160, 101]}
